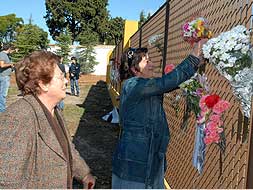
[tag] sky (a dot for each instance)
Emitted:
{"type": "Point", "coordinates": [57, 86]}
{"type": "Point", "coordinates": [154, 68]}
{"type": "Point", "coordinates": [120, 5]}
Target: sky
{"type": "Point", "coordinates": [127, 9]}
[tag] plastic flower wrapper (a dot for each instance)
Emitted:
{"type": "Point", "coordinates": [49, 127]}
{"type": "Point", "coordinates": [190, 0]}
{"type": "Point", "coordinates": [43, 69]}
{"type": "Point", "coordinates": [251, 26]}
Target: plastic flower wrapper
{"type": "Point", "coordinates": [231, 54]}
{"type": "Point", "coordinates": [195, 30]}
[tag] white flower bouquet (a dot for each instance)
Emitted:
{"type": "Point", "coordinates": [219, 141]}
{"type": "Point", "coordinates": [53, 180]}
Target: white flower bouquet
{"type": "Point", "coordinates": [156, 41]}
{"type": "Point", "coordinates": [231, 54]}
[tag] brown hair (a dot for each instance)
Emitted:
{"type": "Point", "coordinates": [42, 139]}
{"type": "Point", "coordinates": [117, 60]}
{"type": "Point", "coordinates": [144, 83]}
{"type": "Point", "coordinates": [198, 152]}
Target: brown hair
{"type": "Point", "coordinates": [131, 58]}
{"type": "Point", "coordinates": [38, 66]}
{"type": "Point", "coordinates": [137, 57]}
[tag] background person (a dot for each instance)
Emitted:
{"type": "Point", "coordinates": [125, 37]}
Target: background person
{"type": "Point", "coordinates": [36, 150]}
{"type": "Point", "coordinates": [60, 105]}
{"type": "Point", "coordinates": [74, 71]}
{"type": "Point", "coordinates": [5, 73]}
{"type": "Point", "coordinates": [139, 159]}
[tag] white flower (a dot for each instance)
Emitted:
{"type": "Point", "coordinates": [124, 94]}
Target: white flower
{"type": "Point", "coordinates": [224, 51]}
{"type": "Point", "coordinates": [245, 49]}
{"type": "Point", "coordinates": [238, 46]}
{"type": "Point", "coordinates": [225, 56]}
{"type": "Point", "coordinates": [153, 39]}
{"type": "Point", "coordinates": [232, 61]}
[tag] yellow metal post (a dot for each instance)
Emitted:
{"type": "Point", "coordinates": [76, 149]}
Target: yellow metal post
{"type": "Point", "coordinates": [130, 28]}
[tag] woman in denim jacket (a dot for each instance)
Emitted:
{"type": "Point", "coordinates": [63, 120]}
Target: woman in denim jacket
{"type": "Point", "coordinates": [139, 159]}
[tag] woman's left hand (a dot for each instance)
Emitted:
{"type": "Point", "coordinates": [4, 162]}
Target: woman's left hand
{"type": "Point", "coordinates": [89, 181]}
{"type": "Point", "coordinates": [197, 48]}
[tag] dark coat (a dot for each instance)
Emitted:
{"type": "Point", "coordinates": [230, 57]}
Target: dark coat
{"type": "Point", "coordinates": [30, 154]}
{"type": "Point", "coordinates": [74, 70]}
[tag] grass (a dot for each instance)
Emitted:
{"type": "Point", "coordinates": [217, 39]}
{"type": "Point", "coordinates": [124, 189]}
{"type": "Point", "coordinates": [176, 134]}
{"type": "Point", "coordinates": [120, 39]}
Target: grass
{"type": "Point", "coordinates": [72, 112]}
{"type": "Point", "coordinates": [13, 90]}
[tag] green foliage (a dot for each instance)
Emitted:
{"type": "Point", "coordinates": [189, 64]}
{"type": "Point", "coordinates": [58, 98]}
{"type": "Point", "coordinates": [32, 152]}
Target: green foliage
{"type": "Point", "coordinates": [64, 42]}
{"type": "Point", "coordinates": [88, 38]}
{"type": "Point", "coordinates": [143, 18]}
{"type": "Point", "coordinates": [76, 15]}
{"type": "Point", "coordinates": [243, 61]}
{"type": "Point", "coordinates": [86, 58]}
{"type": "Point", "coordinates": [115, 30]}
{"type": "Point", "coordinates": [30, 38]}
{"type": "Point", "coordinates": [8, 26]}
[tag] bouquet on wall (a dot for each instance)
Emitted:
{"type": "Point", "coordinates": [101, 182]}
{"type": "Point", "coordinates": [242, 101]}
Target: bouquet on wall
{"type": "Point", "coordinates": [208, 110]}
{"type": "Point", "coordinates": [156, 41]}
{"type": "Point", "coordinates": [231, 54]}
{"type": "Point", "coordinates": [212, 109]}
{"type": "Point", "coordinates": [195, 30]}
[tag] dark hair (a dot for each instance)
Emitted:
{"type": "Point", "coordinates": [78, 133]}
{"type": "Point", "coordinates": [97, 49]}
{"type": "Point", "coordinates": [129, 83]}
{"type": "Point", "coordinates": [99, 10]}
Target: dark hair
{"type": "Point", "coordinates": [131, 58]}
{"type": "Point", "coordinates": [7, 46]}
{"type": "Point", "coordinates": [73, 58]}
{"type": "Point", "coordinates": [38, 66]}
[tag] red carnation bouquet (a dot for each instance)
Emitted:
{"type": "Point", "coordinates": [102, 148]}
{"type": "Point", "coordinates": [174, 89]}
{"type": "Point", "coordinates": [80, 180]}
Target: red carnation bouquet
{"type": "Point", "coordinates": [212, 109]}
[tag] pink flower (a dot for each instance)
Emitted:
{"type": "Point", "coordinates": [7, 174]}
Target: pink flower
{"type": "Point", "coordinates": [212, 126]}
{"type": "Point", "coordinates": [186, 27]}
{"type": "Point", "coordinates": [217, 119]}
{"type": "Point", "coordinates": [212, 139]}
{"type": "Point", "coordinates": [202, 103]}
{"type": "Point", "coordinates": [168, 68]}
{"type": "Point", "coordinates": [219, 130]}
{"type": "Point", "coordinates": [221, 106]}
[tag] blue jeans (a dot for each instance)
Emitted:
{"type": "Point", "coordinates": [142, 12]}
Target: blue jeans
{"type": "Point", "coordinates": [74, 85]}
{"type": "Point", "coordinates": [4, 86]}
{"type": "Point", "coordinates": [60, 105]}
{"type": "Point", "coordinates": [119, 183]}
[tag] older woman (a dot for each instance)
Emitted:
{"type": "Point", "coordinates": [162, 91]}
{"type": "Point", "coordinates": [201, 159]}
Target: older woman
{"type": "Point", "coordinates": [139, 159]}
{"type": "Point", "coordinates": [35, 148]}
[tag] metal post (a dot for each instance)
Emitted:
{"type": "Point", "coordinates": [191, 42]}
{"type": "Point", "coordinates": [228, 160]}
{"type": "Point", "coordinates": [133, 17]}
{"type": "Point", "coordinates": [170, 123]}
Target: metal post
{"type": "Point", "coordinates": [166, 31]}
{"type": "Point", "coordinates": [249, 182]}
{"type": "Point", "coordinates": [140, 37]}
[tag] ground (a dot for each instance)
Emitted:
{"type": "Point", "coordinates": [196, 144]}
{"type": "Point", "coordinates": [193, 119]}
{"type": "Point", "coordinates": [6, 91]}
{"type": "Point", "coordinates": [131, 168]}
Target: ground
{"type": "Point", "coordinates": [94, 138]}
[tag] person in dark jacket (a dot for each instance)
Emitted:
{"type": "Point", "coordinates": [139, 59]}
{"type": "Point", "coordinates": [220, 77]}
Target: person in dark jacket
{"type": "Point", "coordinates": [61, 66]}
{"type": "Point", "coordinates": [74, 72]}
{"type": "Point", "coordinates": [139, 158]}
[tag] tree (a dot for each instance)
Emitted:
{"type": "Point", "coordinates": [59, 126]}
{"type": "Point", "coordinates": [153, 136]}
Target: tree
{"type": "Point", "coordinates": [8, 26]}
{"type": "Point", "coordinates": [64, 42]}
{"type": "Point", "coordinates": [143, 18]}
{"type": "Point", "coordinates": [76, 15]}
{"type": "Point", "coordinates": [115, 30]}
{"type": "Point", "coordinates": [30, 38]}
{"type": "Point", "coordinates": [86, 54]}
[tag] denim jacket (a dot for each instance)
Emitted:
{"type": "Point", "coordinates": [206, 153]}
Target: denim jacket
{"type": "Point", "coordinates": [145, 134]}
